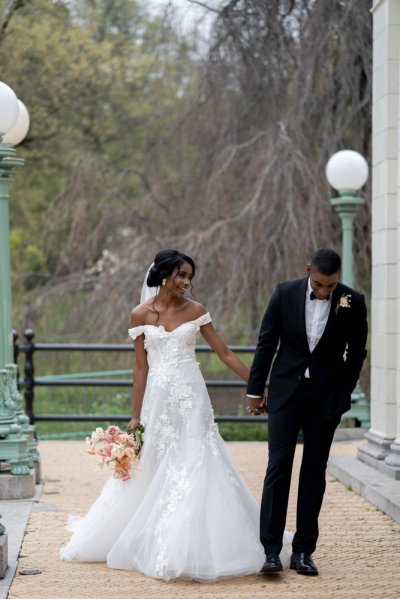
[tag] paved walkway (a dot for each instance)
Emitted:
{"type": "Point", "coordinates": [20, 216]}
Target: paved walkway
{"type": "Point", "coordinates": [358, 553]}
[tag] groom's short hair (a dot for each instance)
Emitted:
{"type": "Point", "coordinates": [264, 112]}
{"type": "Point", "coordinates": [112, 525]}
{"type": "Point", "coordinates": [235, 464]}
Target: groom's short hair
{"type": "Point", "coordinates": [326, 261]}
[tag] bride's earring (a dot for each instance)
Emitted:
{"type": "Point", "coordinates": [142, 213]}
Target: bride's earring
{"type": "Point", "coordinates": [163, 282]}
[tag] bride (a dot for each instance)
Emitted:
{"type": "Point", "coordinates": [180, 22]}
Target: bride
{"type": "Point", "coordinates": [186, 513]}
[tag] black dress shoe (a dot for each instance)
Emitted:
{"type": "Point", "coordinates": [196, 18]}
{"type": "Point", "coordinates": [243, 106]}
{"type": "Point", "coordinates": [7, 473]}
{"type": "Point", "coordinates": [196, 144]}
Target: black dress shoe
{"type": "Point", "coordinates": [272, 564]}
{"type": "Point", "coordinates": [303, 564]}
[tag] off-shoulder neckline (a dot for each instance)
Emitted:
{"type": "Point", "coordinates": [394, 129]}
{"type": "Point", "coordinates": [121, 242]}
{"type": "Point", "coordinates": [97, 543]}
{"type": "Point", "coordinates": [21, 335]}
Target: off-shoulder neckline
{"type": "Point", "coordinates": [162, 327]}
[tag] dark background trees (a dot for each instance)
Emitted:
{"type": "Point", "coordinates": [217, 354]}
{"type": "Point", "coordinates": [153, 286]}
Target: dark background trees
{"type": "Point", "coordinates": [145, 136]}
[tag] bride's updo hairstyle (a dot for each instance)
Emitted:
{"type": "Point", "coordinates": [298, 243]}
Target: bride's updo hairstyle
{"type": "Point", "coordinates": [164, 265]}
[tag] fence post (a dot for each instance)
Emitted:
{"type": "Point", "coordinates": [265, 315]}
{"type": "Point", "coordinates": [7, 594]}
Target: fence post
{"type": "Point", "coordinates": [29, 371]}
{"type": "Point", "coordinates": [16, 354]}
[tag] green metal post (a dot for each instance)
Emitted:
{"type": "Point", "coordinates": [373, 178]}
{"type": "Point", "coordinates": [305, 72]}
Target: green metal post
{"type": "Point", "coordinates": [346, 206]}
{"type": "Point", "coordinates": [8, 161]}
{"type": "Point", "coordinates": [5, 277]}
{"type": "Point", "coordinates": [14, 452]}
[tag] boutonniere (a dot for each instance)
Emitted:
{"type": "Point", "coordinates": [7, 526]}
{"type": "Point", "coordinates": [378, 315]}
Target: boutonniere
{"type": "Point", "coordinates": [344, 302]}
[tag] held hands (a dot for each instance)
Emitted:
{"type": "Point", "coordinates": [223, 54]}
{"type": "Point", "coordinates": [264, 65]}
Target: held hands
{"type": "Point", "coordinates": [132, 425]}
{"type": "Point", "coordinates": [257, 405]}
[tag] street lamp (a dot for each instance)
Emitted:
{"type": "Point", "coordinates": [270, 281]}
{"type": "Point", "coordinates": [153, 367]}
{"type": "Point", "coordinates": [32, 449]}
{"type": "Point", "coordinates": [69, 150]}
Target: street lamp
{"type": "Point", "coordinates": [18, 452]}
{"type": "Point", "coordinates": [347, 172]}
{"type": "Point", "coordinates": [9, 111]}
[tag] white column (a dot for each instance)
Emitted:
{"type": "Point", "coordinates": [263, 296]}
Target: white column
{"type": "Point", "coordinates": [392, 461]}
{"type": "Point", "coordinates": [385, 380]}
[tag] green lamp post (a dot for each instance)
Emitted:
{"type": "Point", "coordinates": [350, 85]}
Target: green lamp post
{"type": "Point", "coordinates": [18, 452]}
{"type": "Point", "coordinates": [347, 171]}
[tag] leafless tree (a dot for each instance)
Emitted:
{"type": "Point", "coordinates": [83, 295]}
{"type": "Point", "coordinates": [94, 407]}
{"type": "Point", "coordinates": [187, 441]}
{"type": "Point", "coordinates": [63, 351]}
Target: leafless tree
{"type": "Point", "coordinates": [238, 181]}
{"type": "Point", "coordinates": [286, 84]}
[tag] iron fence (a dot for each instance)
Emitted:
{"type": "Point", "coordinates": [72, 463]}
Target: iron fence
{"type": "Point", "coordinates": [45, 393]}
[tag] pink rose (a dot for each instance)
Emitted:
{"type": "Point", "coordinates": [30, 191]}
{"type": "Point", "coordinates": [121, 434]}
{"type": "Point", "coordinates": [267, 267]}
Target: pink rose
{"type": "Point", "coordinates": [121, 438]}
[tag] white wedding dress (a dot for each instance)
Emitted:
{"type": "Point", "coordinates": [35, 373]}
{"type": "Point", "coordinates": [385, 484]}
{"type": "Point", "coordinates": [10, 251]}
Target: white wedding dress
{"type": "Point", "coordinates": [186, 512]}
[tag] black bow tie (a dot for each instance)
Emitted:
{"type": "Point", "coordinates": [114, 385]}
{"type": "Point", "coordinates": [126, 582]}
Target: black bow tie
{"type": "Point", "coordinates": [313, 297]}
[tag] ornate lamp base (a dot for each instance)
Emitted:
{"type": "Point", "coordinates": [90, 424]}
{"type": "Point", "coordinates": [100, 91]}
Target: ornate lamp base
{"type": "Point", "coordinates": [360, 409]}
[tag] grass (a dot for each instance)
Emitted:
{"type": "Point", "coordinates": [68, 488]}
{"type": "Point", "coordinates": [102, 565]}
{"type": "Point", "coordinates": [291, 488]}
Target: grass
{"type": "Point", "coordinates": [243, 431]}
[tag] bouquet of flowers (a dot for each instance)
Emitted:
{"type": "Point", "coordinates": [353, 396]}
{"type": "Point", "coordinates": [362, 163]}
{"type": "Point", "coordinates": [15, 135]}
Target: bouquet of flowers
{"type": "Point", "coordinates": [118, 450]}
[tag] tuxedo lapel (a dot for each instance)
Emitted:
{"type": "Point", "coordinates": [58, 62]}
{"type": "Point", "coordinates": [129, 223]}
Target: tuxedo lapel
{"type": "Point", "coordinates": [300, 303]}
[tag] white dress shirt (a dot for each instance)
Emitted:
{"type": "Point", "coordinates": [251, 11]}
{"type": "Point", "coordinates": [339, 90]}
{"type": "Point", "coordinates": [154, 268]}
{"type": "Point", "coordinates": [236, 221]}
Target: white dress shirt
{"type": "Point", "coordinates": [316, 314]}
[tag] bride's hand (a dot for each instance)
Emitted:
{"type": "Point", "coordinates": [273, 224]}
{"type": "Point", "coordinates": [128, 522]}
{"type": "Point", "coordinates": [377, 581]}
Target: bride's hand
{"type": "Point", "coordinates": [132, 425]}
{"type": "Point", "coordinates": [257, 406]}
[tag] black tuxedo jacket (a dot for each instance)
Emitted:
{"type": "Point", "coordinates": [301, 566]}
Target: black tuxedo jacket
{"type": "Point", "coordinates": [333, 374]}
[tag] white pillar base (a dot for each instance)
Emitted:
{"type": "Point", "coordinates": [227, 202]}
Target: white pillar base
{"type": "Point", "coordinates": [392, 461]}
{"type": "Point", "coordinates": [375, 450]}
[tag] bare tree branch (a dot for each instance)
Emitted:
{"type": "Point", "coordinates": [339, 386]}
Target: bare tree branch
{"type": "Point", "coordinates": [9, 13]}
{"type": "Point", "coordinates": [204, 5]}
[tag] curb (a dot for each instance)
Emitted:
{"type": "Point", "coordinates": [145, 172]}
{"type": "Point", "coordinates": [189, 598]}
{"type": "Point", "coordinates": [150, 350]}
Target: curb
{"type": "Point", "coordinates": [15, 516]}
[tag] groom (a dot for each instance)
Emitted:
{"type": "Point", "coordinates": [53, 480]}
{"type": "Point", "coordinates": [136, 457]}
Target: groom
{"type": "Point", "coordinates": [320, 326]}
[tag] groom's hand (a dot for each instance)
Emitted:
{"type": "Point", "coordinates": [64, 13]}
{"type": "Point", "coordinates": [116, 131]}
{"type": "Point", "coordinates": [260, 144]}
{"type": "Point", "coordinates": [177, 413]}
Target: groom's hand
{"type": "Point", "coordinates": [256, 405]}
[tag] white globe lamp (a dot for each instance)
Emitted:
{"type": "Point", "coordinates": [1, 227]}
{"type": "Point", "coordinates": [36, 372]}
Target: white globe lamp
{"type": "Point", "coordinates": [8, 108]}
{"type": "Point", "coordinates": [347, 169]}
{"type": "Point", "coordinates": [20, 128]}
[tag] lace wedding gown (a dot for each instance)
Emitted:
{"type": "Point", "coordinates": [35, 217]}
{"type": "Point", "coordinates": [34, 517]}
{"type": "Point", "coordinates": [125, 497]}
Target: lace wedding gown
{"type": "Point", "coordinates": [186, 512]}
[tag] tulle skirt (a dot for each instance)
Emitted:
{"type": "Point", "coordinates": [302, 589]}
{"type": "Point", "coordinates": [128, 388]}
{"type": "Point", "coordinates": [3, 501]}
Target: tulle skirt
{"type": "Point", "coordinates": [187, 515]}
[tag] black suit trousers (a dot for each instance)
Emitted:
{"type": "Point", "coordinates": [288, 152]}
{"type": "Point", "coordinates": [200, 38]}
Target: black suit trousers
{"type": "Point", "coordinates": [300, 412]}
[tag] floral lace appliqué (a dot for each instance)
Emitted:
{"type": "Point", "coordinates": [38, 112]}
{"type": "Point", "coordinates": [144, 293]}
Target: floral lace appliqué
{"type": "Point", "coordinates": [211, 439]}
{"type": "Point", "coordinates": [178, 487]}
{"type": "Point", "coordinates": [166, 435]}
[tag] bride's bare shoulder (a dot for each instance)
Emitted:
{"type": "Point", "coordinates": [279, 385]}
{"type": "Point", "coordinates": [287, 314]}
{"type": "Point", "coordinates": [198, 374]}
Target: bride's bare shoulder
{"type": "Point", "coordinates": [196, 309]}
{"type": "Point", "coordinates": [139, 314]}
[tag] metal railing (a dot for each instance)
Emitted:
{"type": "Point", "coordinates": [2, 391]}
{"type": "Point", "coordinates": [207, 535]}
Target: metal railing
{"type": "Point", "coordinates": [29, 383]}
